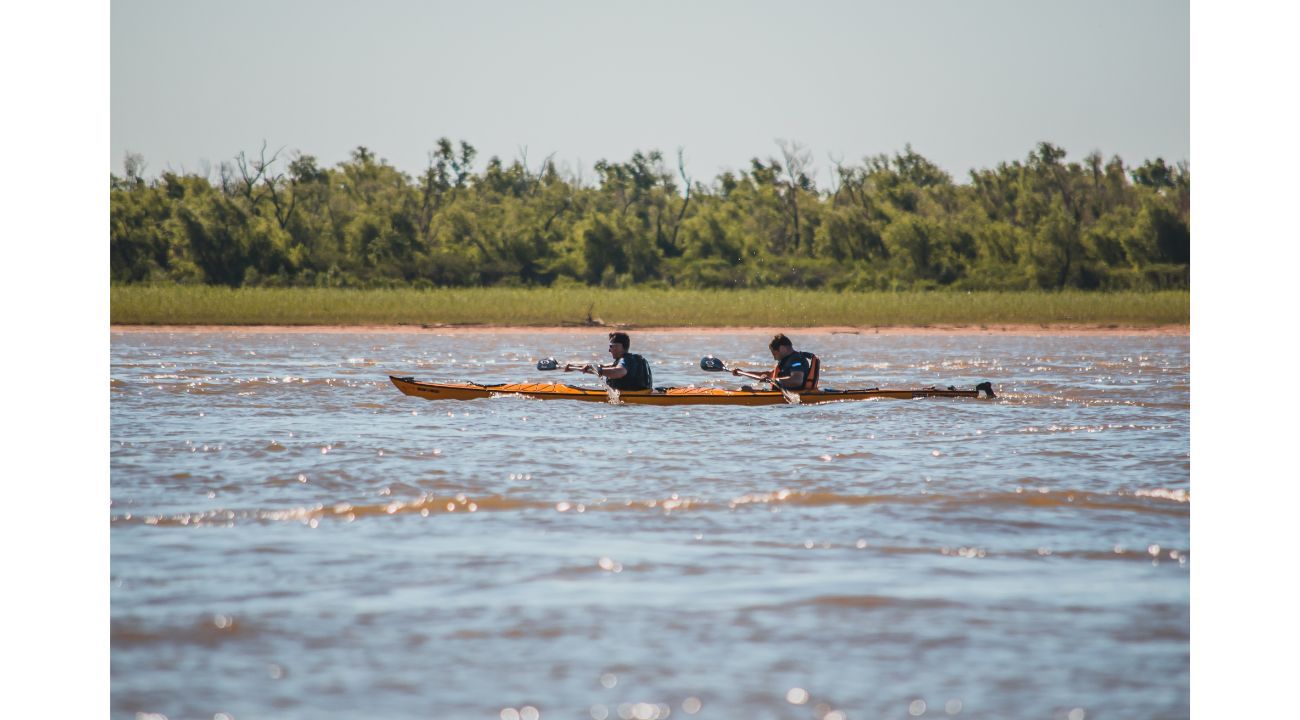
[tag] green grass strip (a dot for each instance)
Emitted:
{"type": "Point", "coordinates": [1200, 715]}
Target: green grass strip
{"type": "Point", "coordinates": [208, 305]}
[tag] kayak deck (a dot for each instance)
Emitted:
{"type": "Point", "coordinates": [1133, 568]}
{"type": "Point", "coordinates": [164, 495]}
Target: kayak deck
{"type": "Point", "coordinates": [665, 396]}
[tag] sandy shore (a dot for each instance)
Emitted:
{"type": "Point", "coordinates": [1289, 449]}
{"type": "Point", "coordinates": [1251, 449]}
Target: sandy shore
{"type": "Point", "coordinates": [991, 329]}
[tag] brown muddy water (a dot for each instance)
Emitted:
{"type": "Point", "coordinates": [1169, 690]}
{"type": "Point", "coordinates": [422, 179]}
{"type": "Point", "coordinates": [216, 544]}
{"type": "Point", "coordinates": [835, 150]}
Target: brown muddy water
{"type": "Point", "coordinates": [293, 538]}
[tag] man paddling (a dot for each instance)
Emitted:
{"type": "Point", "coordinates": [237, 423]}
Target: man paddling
{"type": "Point", "coordinates": [795, 370]}
{"type": "Point", "coordinates": [629, 371]}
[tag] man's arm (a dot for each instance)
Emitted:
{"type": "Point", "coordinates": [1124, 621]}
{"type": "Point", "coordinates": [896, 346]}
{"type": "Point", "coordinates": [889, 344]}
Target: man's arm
{"type": "Point", "coordinates": [614, 371]}
{"type": "Point", "coordinates": [760, 375]}
{"type": "Point", "coordinates": [793, 381]}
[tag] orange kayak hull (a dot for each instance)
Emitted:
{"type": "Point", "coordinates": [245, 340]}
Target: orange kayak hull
{"type": "Point", "coordinates": [668, 396]}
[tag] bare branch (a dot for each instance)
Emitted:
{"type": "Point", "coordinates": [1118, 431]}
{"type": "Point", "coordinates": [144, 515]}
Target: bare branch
{"type": "Point", "coordinates": [541, 170]}
{"type": "Point", "coordinates": [798, 160]}
{"type": "Point", "coordinates": [686, 180]}
{"type": "Point", "coordinates": [837, 175]}
{"type": "Point", "coordinates": [134, 165]}
{"type": "Point", "coordinates": [227, 177]}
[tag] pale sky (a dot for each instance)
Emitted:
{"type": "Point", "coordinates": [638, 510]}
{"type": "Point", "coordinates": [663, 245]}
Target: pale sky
{"type": "Point", "coordinates": [968, 84]}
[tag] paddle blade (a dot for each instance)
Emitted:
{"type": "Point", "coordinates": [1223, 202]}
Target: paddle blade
{"type": "Point", "coordinates": [711, 364]}
{"type": "Point", "coordinates": [548, 364]}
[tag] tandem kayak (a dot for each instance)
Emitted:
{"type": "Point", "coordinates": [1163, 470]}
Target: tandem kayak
{"type": "Point", "coordinates": [667, 396]}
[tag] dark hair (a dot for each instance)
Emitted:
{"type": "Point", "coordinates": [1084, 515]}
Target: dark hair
{"type": "Point", "coordinates": [621, 339]}
{"type": "Point", "coordinates": [778, 341]}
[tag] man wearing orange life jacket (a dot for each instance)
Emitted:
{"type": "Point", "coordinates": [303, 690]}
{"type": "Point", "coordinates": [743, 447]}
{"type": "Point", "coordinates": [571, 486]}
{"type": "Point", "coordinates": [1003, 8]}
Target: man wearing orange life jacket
{"type": "Point", "coordinates": [795, 370]}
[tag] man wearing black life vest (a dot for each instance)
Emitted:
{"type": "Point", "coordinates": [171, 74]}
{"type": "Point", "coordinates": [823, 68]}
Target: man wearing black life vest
{"type": "Point", "coordinates": [629, 371]}
{"type": "Point", "coordinates": [795, 370]}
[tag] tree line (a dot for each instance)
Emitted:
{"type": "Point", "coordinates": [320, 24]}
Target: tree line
{"type": "Point", "coordinates": [885, 223]}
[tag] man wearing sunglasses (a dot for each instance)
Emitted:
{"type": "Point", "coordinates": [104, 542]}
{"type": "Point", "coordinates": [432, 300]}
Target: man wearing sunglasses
{"type": "Point", "coordinates": [629, 371]}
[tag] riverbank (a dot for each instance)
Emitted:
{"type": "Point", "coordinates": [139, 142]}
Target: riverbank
{"type": "Point", "coordinates": [640, 309]}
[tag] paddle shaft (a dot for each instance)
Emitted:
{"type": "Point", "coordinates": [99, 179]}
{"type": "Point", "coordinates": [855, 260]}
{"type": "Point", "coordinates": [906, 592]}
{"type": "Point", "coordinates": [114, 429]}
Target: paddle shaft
{"type": "Point", "coordinates": [594, 366]}
{"type": "Point", "coordinates": [567, 367]}
{"type": "Point", "coordinates": [570, 367]}
{"type": "Point", "coordinates": [789, 396]}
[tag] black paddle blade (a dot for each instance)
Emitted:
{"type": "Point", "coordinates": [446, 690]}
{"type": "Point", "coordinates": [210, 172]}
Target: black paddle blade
{"type": "Point", "coordinates": [548, 364]}
{"type": "Point", "coordinates": [712, 364]}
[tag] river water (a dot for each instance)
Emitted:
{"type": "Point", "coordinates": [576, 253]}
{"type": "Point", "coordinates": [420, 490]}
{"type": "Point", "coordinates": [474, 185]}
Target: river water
{"type": "Point", "coordinates": [293, 538]}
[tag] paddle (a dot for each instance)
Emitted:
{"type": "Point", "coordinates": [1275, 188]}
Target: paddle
{"type": "Point", "coordinates": [712, 364]}
{"type": "Point", "coordinates": [551, 363]}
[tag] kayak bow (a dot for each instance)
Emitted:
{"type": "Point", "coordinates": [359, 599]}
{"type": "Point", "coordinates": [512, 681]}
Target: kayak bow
{"type": "Point", "coordinates": [666, 396]}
